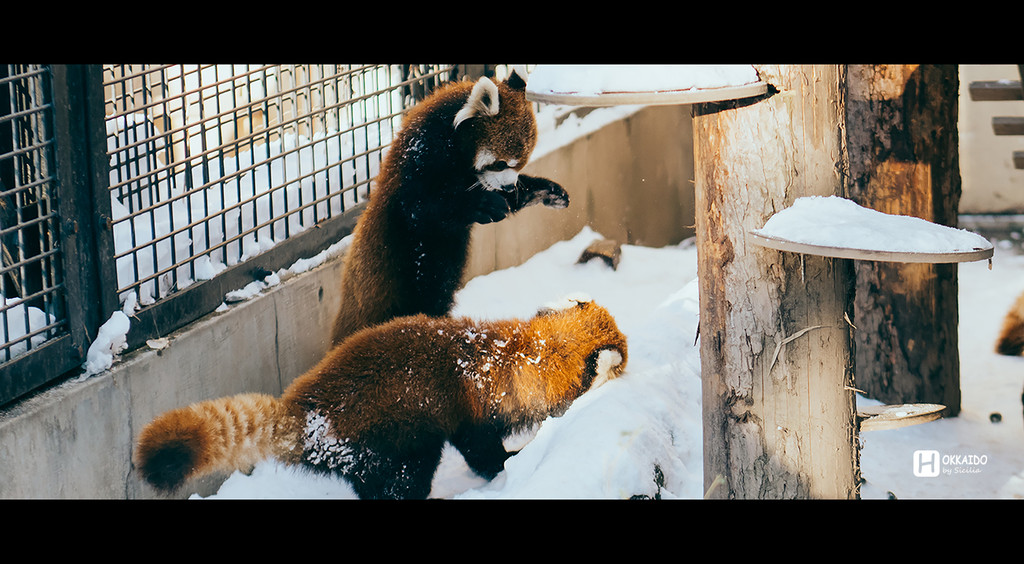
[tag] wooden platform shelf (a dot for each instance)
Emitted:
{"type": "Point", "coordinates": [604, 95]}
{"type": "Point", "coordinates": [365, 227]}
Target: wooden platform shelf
{"type": "Point", "coordinates": [650, 98]}
{"type": "Point", "coordinates": [810, 227]}
{"type": "Point", "coordinates": [995, 90]}
{"type": "Point", "coordinates": [870, 254]}
{"type": "Point", "coordinates": [882, 417]}
{"type": "Point", "coordinates": [1012, 125]}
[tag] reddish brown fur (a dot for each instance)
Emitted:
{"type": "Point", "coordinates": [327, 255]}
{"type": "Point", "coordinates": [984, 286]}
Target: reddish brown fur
{"type": "Point", "coordinates": [208, 431]}
{"type": "Point", "coordinates": [392, 394]}
{"type": "Point", "coordinates": [410, 245]}
{"type": "Point", "coordinates": [1011, 337]}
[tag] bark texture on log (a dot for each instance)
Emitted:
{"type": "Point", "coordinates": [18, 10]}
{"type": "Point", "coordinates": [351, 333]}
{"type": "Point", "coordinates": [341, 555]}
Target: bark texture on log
{"type": "Point", "coordinates": [904, 159]}
{"type": "Point", "coordinates": [776, 345]}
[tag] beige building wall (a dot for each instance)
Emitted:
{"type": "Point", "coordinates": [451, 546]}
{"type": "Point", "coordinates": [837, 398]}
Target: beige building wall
{"type": "Point", "coordinates": [631, 180]}
{"type": "Point", "coordinates": [990, 183]}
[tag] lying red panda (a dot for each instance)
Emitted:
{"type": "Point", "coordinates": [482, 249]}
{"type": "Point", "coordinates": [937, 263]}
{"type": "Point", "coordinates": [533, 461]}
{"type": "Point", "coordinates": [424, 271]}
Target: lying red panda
{"type": "Point", "coordinates": [378, 409]}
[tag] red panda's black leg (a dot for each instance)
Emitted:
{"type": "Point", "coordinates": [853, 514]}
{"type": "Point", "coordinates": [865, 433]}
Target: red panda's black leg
{"type": "Point", "coordinates": [491, 207]}
{"type": "Point", "coordinates": [482, 448]}
{"type": "Point", "coordinates": [388, 473]}
{"type": "Point", "coordinates": [432, 207]}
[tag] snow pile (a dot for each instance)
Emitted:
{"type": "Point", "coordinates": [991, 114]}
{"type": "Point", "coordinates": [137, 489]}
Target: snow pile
{"type": "Point", "coordinates": [256, 287]}
{"type": "Point", "coordinates": [598, 79]}
{"type": "Point", "coordinates": [305, 264]}
{"type": "Point", "coordinates": [837, 222]}
{"type": "Point", "coordinates": [110, 341]}
{"type": "Point", "coordinates": [18, 320]}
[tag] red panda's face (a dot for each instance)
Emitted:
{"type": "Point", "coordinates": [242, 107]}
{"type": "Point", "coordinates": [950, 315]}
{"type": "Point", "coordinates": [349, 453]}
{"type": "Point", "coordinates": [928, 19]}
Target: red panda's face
{"type": "Point", "coordinates": [503, 130]}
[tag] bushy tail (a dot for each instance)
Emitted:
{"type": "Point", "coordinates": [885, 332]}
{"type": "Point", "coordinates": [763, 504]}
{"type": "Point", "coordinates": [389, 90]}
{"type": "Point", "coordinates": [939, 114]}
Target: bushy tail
{"type": "Point", "coordinates": [225, 434]}
{"type": "Point", "coordinates": [1011, 337]}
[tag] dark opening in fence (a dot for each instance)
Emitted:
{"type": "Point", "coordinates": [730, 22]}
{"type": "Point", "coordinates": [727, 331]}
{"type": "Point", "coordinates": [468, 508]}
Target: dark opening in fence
{"type": "Point", "coordinates": [32, 307]}
{"type": "Point", "coordinates": [165, 186]}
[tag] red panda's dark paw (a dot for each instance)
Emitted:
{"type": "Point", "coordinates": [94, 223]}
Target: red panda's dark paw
{"type": "Point", "coordinates": [490, 208]}
{"type": "Point", "coordinates": [536, 190]}
{"type": "Point", "coordinates": [556, 197]}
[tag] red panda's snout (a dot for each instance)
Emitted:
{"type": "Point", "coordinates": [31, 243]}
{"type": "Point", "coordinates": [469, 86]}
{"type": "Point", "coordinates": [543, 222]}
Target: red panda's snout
{"type": "Point", "coordinates": [609, 365]}
{"type": "Point", "coordinates": [496, 173]}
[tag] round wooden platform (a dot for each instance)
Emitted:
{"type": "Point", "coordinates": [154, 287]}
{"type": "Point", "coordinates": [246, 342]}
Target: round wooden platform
{"type": "Point", "coordinates": [881, 417]}
{"type": "Point", "coordinates": [871, 254]}
{"type": "Point", "coordinates": [649, 98]}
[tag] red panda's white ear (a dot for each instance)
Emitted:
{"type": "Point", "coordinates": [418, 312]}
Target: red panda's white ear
{"type": "Point", "coordinates": [517, 79]}
{"type": "Point", "coordinates": [483, 100]}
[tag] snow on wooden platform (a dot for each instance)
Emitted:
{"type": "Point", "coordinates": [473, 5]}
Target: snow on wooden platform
{"type": "Point", "coordinates": [837, 227]}
{"type": "Point", "coordinates": [611, 85]}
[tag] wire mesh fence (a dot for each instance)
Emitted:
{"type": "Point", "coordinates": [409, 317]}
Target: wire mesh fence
{"type": "Point", "coordinates": [213, 164]}
{"type": "Point", "coordinates": [209, 168]}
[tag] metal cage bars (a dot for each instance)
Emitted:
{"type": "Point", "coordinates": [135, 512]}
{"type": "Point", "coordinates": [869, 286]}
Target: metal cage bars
{"type": "Point", "coordinates": [52, 225]}
{"type": "Point", "coordinates": [235, 165]}
{"type": "Point", "coordinates": [31, 308]}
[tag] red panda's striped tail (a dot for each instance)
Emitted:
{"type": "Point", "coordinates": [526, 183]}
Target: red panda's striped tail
{"type": "Point", "coordinates": [231, 433]}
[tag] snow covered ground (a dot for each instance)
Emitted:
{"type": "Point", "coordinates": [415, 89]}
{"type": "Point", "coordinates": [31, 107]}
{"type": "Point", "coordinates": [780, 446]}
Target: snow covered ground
{"type": "Point", "coordinates": [640, 435]}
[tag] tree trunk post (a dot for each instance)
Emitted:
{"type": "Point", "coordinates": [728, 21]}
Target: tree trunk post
{"type": "Point", "coordinates": [903, 154]}
{"type": "Point", "coordinates": [776, 344]}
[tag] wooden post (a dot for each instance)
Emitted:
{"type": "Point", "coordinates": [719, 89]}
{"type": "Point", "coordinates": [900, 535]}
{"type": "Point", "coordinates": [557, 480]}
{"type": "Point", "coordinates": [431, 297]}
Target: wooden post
{"type": "Point", "coordinates": [904, 159]}
{"type": "Point", "coordinates": [776, 345]}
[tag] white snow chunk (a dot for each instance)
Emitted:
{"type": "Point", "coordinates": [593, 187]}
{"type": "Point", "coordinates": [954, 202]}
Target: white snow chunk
{"type": "Point", "coordinates": [110, 341]}
{"type": "Point", "coordinates": [251, 290]}
{"type": "Point", "coordinates": [20, 322]}
{"type": "Point", "coordinates": [837, 222]}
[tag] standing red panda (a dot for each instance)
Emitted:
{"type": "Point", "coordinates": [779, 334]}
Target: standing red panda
{"type": "Point", "coordinates": [378, 409]}
{"type": "Point", "coordinates": [455, 162]}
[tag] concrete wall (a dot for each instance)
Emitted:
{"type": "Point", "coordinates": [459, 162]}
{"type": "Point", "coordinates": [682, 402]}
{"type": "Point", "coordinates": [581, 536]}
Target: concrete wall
{"type": "Point", "coordinates": [75, 441]}
{"type": "Point", "coordinates": [629, 180]}
{"type": "Point", "coordinates": [990, 183]}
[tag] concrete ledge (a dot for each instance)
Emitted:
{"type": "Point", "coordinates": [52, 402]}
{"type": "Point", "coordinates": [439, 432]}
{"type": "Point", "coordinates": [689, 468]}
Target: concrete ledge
{"type": "Point", "coordinates": [75, 440]}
